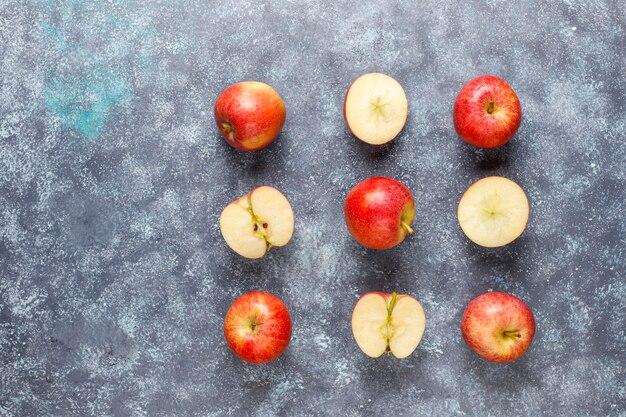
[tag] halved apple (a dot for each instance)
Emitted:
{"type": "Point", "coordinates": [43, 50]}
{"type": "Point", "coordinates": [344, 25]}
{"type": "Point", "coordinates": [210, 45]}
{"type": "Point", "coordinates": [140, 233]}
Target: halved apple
{"type": "Point", "coordinates": [388, 323]}
{"type": "Point", "coordinates": [254, 223]}
{"type": "Point", "coordinates": [493, 212]}
{"type": "Point", "coordinates": [375, 108]}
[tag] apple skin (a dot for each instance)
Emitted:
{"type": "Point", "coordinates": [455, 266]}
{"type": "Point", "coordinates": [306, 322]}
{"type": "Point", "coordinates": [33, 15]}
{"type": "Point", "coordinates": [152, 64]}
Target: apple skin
{"type": "Point", "coordinates": [487, 112]}
{"type": "Point", "coordinates": [379, 212]}
{"type": "Point", "coordinates": [257, 327]}
{"type": "Point", "coordinates": [249, 115]}
{"type": "Point", "coordinates": [345, 99]}
{"type": "Point", "coordinates": [498, 326]}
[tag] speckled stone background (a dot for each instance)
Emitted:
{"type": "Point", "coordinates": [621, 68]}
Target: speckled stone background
{"type": "Point", "coordinates": [114, 279]}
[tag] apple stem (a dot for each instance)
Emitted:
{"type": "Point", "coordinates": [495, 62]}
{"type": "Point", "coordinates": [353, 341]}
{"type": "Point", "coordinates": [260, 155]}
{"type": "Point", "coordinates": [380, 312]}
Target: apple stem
{"type": "Point", "coordinates": [392, 304]}
{"type": "Point", "coordinates": [408, 228]}
{"type": "Point", "coordinates": [512, 333]}
{"type": "Point", "coordinates": [490, 107]}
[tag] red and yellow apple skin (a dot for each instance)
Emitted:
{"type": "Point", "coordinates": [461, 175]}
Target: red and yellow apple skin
{"type": "Point", "coordinates": [257, 327]}
{"type": "Point", "coordinates": [379, 212]}
{"type": "Point", "coordinates": [249, 115]}
{"type": "Point", "coordinates": [499, 327]}
{"type": "Point", "coordinates": [487, 112]}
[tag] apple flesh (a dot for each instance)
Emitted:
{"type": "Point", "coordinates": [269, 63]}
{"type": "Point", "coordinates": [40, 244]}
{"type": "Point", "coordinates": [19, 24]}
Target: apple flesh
{"type": "Point", "coordinates": [388, 323]}
{"type": "Point", "coordinates": [493, 212]}
{"type": "Point", "coordinates": [249, 115]}
{"type": "Point", "coordinates": [499, 327]}
{"type": "Point", "coordinates": [487, 112]}
{"type": "Point", "coordinates": [257, 327]}
{"type": "Point", "coordinates": [254, 223]}
{"type": "Point", "coordinates": [375, 108]}
{"type": "Point", "coordinates": [379, 212]}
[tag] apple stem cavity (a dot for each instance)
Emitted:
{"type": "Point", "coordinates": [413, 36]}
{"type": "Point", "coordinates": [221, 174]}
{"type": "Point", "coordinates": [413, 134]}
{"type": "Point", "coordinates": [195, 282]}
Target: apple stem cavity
{"type": "Point", "coordinates": [228, 129]}
{"type": "Point", "coordinates": [408, 228]}
{"type": "Point", "coordinates": [254, 323]}
{"type": "Point", "coordinates": [490, 107]}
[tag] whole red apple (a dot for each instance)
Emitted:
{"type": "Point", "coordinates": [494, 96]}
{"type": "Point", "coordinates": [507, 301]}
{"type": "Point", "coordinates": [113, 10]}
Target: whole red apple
{"type": "Point", "coordinates": [257, 327]}
{"type": "Point", "coordinates": [249, 115]}
{"type": "Point", "coordinates": [379, 212]}
{"type": "Point", "coordinates": [497, 326]}
{"type": "Point", "coordinates": [487, 112]}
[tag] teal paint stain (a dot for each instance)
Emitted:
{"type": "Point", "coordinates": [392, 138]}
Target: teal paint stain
{"type": "Point", "coordinates": [81, 100]}
{"type": "Point", "coordinates": [55, 36]}
{"type": "Point", "coordinates": [102, 53]}
{"type": "Point", "coordinates": [83, 106]}
{"type": "Point", "coordinates": [106, 50]}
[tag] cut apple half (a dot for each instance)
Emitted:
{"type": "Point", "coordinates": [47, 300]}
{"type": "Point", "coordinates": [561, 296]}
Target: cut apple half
{"type": "Point", "coordinates": [493, 212]}
{"type": "Point", "coordinates": [375, 108]}
{"type": "Point", "coordinates": [388, 323]}
{"type": "Point", "coordinates": [254, 223]}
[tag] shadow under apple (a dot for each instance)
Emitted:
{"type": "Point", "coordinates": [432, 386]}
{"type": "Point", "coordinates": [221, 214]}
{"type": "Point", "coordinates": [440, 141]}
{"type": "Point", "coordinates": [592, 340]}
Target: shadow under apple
{"type": "Point", "coordinates": [514, 376]}
{"type": "Point", "coordinates": [373, 151]}
{"type": "Point", "coordinates": [255, 164]}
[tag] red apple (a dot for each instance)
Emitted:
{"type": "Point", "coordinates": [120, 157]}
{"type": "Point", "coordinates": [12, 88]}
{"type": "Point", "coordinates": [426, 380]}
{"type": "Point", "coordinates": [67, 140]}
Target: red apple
{"type": "Point", "coordinates": [379, 212]}
{"type": "Point", "coordinates": [249, 115]}
{"type": "Point", "coordinates": [257, 327]}
{"type": "Point", "coordinates": [498, 326]}
{"type": "Point", "coordinates": [487, 112]}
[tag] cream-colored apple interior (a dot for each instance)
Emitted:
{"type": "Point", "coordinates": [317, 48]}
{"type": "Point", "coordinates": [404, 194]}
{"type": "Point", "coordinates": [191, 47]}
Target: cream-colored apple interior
{"type": "Point", "coordinates": [493, 212]}
{"type": "Point", "coordinates": [391, 324]}
{"type": "Point", "coordinates": [274, 214]}
{"type": "Point", "coordinates": [257, 221]}
{"type": "Point", "coordinates": [237, 225]}
{"type": "Point", "coordinates": [376, 108]}
{"type": "Point", "coordinates": [369, 325]}
{"type": "Point", "coordinates": [407, 326]}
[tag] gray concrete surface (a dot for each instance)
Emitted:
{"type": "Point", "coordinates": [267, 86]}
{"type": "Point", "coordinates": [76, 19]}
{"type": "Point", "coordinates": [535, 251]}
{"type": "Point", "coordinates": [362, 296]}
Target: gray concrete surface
{"type": "Point", "coordinates": [114, 279]}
